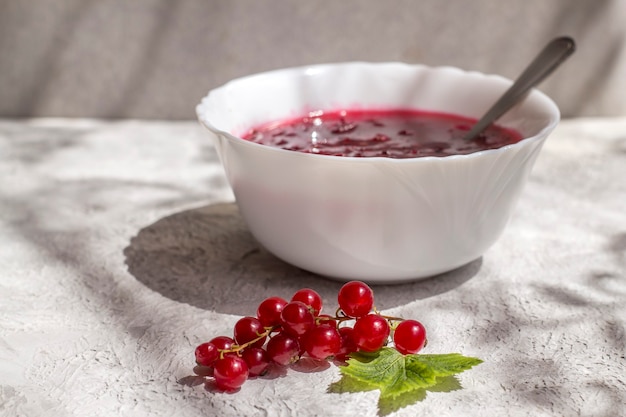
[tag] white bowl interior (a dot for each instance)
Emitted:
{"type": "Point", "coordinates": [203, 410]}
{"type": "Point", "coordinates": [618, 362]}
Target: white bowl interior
{"type": "Point", "coordinates": [287, 93]}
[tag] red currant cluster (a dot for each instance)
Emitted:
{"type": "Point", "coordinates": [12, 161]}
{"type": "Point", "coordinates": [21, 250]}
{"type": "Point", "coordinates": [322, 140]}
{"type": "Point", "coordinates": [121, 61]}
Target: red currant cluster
{"type": "Point", "coordinates": [282, 332]}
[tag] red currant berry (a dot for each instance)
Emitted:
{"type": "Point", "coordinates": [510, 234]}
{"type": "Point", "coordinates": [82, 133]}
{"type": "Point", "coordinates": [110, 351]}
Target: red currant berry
{"type": "Point", "coordinates": [356, 299]}
{"type": "Point", "coordinates": [371, 332]}
{"type": "Point", "coordinates": [321, 342]}
{"type": "Point", "coordinates": [230, 372]}
{"type": "Point", "coordinates": [269, 311]}
{"type": "Point", "coordinates": [348, 343]}
{"type": "Point", "coordinates": [206, 354]}
{"type": "Point", "coordinates": [248, 329]}
{"type": "Point", "coordinates": [296, 318]}
{"type": "Point", "coordinates": [309, 297]}
{"type": "Point", "coordinates": [222, 342]}
{"type": "Point", "coordinates": [283, 349]}
{"type": "Point", "coordinates": [257, 360]}
{"type": "Point", "coordinates": [409, 336]}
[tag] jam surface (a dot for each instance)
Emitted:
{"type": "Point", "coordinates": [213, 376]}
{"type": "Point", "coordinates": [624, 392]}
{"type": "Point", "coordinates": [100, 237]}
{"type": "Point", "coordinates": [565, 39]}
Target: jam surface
{"type": "Point", "coordinates": [380, 133]}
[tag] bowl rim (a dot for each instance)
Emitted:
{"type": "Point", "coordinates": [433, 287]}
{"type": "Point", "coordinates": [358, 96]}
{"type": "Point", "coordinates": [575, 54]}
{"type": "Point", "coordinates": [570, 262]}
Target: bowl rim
{"type": "Point", "coordinates": [317, 68]}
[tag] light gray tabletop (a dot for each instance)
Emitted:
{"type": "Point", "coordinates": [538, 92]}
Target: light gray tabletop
{"type": "Point", "coordinates": [122, 250]}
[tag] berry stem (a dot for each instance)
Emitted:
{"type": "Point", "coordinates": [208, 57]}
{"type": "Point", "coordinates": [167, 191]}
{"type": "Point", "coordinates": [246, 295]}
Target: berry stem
{"type": "Point", "coordinates": [340, 316]}
{"type": "Point", "coordinates": [389, 318]}
{"type": "Point", "coordinates": [238, 348]}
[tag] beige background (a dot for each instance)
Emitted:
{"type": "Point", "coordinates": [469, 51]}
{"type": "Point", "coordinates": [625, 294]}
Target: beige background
{"type": "Point", "coordinates": [157, 58]}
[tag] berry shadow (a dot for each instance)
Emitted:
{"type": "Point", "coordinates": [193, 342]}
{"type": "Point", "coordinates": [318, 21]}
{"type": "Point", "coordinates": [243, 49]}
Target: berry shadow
{"type": "Point", "coordinates": [206, 257]}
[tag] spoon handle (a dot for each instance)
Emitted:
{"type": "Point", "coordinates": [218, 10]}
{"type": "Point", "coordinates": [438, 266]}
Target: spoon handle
{"type": "Point", "coordinates": [552, 55]}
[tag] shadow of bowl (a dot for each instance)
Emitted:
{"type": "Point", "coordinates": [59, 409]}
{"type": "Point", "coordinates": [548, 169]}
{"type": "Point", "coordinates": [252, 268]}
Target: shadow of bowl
{"type": "Point", "coordinates": [206, 257]}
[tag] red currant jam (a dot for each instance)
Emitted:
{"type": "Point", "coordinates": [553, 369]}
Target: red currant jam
{"type": "Point", "coordinates": [388, 133]}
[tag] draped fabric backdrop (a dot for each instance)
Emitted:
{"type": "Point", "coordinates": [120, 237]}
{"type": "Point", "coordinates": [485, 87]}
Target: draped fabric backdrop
{"type": "Point", "coordinates": [157, 58]}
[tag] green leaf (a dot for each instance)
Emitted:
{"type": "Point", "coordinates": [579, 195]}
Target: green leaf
{"type": "Point", "coordinates": [446, 364]}
{"type": "Point", "coordinates": [401, 379]}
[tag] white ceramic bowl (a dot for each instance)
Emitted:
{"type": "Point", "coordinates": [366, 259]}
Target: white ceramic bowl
{"type": "Point", "coordinates": [380, 220]}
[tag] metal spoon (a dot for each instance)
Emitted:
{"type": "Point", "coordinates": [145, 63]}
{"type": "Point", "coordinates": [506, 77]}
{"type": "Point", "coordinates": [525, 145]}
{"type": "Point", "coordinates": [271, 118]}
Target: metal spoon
{"type": "Point", "coordinates": [552, 55]}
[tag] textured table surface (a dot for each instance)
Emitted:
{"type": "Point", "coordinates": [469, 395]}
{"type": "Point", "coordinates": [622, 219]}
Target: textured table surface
{"type": "Point", "coordinates": [121, 250]}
